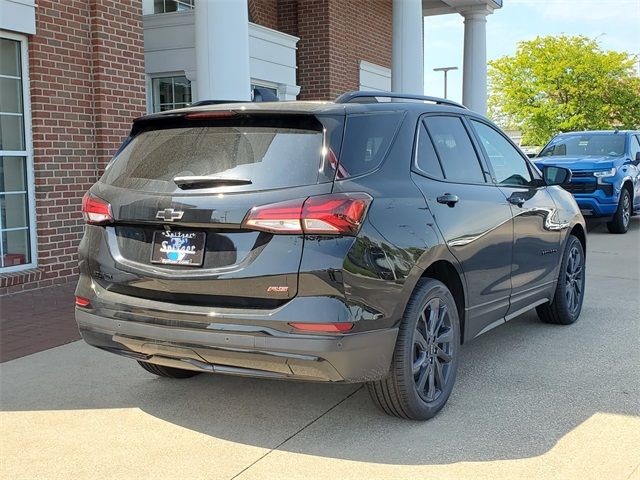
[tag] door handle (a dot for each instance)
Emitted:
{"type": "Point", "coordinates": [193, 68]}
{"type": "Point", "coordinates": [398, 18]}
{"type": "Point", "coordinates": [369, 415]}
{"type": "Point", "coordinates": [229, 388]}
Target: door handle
{"type": "Point", "coordinates": [448, 199]}
{"type": "Point", "coordinates": [519, 201]}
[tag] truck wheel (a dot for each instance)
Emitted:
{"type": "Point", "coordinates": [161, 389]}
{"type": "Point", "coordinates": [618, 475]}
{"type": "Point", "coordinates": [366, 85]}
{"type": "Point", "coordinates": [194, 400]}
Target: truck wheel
{"type": "Point", "coordinates": [620, 221]}
{"type": "Point", "coordinates": [167, 372]}
{"type": "Point", "coordinates": [425, 360]}
{"type": "Point", "coordinates": [566, 303]}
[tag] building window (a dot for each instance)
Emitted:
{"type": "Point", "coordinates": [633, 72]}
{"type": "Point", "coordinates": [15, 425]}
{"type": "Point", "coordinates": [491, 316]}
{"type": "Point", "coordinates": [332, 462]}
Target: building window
{"type": "Point", "coordinates": [170, 93]}
{"type": "Point", "coordinates": [269, 88]}
{"type": "Point", "coordinates": [165, 6]}
{"type": "Point", "coordinates": [17, 238]}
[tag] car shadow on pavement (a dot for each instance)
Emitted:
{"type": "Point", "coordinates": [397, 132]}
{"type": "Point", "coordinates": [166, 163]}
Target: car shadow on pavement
{"type": "Point", "coordinates": [520, 389]}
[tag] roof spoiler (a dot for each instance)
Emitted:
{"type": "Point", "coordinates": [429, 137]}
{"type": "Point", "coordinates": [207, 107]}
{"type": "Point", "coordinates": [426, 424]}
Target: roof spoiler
{"type": "Point", "coordinates": [258, 94]}
{"type": "Point", "coordinates": [372, 97]}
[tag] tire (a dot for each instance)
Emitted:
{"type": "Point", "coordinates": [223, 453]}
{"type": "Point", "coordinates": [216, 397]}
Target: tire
{"type": "Point", "coordinates": [566, 304]}
{"type": "Point", "coordinates": [419, 357]}
{"type": "Point", "coordinates": [167, 372]}
{"type": "Point", "coordinates": [622, 217]}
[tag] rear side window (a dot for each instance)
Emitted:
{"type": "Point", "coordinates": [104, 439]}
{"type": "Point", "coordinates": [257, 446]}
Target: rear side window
{"type": "Point", "coordinates": [457, 156]}
{"type": "Point", "coordinates": [270, 157]}
{"type": "Point", "coordinates": [427, 159]}
{"type": "Point", "coordinates": [366, 142]}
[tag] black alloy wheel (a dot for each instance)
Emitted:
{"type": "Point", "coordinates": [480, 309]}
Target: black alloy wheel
{"type": "Point", "coordinates": [566, 304]}
{"type": "Point", "coordinates": [433, 349]}
{"type": "Point", "coordinates": [425, 359]}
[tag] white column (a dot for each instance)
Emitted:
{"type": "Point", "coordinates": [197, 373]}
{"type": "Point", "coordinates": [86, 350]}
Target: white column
{"type": "Point", "coordinates": [474, 71]}
{"type": "Point", "coordinates": [407, 70]}
{"type": "Point", "coordinates": [222, 50]}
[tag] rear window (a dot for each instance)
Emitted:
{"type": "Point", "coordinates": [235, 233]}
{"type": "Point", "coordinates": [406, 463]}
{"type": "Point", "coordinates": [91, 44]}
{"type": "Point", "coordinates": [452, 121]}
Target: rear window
{"type": "Point", "coordinates": [270, 157]}
{"type": "Point", "coordinates": [366, 142]}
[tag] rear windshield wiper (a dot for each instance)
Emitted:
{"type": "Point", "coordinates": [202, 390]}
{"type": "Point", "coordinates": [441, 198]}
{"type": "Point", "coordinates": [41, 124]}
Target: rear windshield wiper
{"type": "Point", "coordinates": [203, 181]}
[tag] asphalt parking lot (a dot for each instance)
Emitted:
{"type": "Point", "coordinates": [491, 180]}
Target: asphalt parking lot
{"type": "Point", "coordinates": [531, 401]}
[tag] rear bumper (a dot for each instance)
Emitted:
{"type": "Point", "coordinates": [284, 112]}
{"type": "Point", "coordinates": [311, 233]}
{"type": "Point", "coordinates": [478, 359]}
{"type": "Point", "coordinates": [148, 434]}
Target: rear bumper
{"type": "Point", "coordinates": [353, 357]}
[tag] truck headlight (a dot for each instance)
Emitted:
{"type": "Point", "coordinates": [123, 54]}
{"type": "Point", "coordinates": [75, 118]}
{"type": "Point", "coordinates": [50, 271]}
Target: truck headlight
{"type": "Point", "coordinates": [605, 173]}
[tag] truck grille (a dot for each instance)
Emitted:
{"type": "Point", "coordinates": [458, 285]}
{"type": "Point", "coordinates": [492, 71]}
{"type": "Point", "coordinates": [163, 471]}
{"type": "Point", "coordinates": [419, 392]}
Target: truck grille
{"type": "Point", "coordinates": [581, 187]}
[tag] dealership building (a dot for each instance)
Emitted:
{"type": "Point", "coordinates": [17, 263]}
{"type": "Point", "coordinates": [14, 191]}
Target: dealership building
{"type": "Point", "coordinates": [75, 73]}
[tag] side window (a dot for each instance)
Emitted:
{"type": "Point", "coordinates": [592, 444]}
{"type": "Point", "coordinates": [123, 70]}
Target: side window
{"type": "Point", "coordinates": [455, 150]}
{"type": "Point", "coordinates": [367, 140]}
{"type": "Point", "coordinates": [635, 146]}
{"type": "Point", "coordinates": [509, 166]}
{"type": "Point", "coordinates": [427, 159]}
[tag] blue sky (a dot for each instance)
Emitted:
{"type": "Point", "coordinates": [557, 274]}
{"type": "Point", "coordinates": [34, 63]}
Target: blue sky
{"type": "Point", "coordinates": [616, 23]}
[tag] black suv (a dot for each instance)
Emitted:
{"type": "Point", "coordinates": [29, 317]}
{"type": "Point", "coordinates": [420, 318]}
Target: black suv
{"type": "Point", "coordinates": [361, 240]}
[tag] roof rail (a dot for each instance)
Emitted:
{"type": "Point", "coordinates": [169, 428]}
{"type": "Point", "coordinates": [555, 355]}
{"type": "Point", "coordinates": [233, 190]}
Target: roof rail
{"type": "Point", "coordinates": [362, 96]}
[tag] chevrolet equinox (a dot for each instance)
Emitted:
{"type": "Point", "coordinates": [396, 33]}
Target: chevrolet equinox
{"type": "Point", "coordinates": [360, 240]}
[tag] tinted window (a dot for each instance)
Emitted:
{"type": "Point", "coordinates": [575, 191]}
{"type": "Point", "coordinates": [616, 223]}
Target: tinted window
{"type": "Point", "coordinates": [508, 165]}
{"type": "Point", "coordinates": [367, 140]}
{"type": "Point", "coordinates": [427, 159]}
{"type": "Point", "coordinates": [635, 146]}
{"type": "Point", "coordinates": [271, 157]}
{"type": "Point", "coordinates": [455, 151]}
{"type": "Point", "coordinates": [585, 145]}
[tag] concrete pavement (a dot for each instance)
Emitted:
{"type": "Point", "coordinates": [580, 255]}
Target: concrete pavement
{"type": "Point", "coordinates": [531, 401]}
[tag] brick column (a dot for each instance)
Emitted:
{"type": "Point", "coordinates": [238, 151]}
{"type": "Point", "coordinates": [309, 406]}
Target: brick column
{"type": "Point", "coordinates": [86, 68]}
{"type": "Point", "coordinates": [334, 36]}
{"type": "Point", "coordinates": [117, 64]}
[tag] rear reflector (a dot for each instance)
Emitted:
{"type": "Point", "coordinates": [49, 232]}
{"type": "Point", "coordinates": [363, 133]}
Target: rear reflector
{"type": "Point", "coordinates": [95, 210]}
{"type": "Point", "coordinates": [82, 302]}
{"type": "Point", "coordinates": [323, 327]}
{"type": "Point", "coordinates": [334, 214]}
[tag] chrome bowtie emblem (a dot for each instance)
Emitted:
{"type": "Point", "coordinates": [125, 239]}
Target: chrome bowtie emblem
{"type": "Point", "coordinates": [169, 214]}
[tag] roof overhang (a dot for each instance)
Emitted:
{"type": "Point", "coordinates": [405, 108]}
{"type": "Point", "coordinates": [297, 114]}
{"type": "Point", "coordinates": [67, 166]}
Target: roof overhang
{"type": "Point", "coordinates": [443, 7]}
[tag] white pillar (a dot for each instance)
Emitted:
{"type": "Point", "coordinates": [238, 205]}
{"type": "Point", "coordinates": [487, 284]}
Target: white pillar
{"type": "Point", "coordinates": [407, 70]}
{"type": "Point", "coordinates": [222, 50]}
{"type": "Point", "coordinates": [474, 70]}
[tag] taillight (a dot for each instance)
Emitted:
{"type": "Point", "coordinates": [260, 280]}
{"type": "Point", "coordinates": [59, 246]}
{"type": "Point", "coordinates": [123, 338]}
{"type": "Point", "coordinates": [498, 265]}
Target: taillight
{"type": "Point", "coordinates": [323, 327]}
{"type": "Point", "coordinates": [95, 210]}
{"type": "Point", "coordinates": [82, 302]}
{"type": "Point", "coordinates": [334, 214]}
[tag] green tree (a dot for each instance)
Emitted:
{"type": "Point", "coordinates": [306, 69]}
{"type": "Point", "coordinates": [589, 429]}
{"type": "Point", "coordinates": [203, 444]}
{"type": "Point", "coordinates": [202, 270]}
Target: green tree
{"type": "Point", "coordinates": [564, 83]}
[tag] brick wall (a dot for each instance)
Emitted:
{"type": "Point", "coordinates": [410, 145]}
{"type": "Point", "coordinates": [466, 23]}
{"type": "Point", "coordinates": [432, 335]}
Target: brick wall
{"type": "Point", "coordinates": [264, 12]}
{"type": "Point", "coordinates": [86, 68]}
{"type": "Point", "coordinates": [334, 36]}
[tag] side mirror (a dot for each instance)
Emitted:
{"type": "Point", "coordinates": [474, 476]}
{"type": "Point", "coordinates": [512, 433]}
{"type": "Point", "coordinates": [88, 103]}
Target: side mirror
{"type": "Point", "coordinates": [556, 175]}
{"type": "Point", "coordinates": [636, 161]}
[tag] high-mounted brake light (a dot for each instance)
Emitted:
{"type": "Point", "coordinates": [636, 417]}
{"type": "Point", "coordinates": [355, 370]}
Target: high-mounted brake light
{"type": "Point", "coordinates": [95, 210]}
{"type": "Point", "coordinates": [333, 214]}
{"type": "Point", "coordinates": [209, 115]}
{"type": "Point", "coordinates": [323, 327]}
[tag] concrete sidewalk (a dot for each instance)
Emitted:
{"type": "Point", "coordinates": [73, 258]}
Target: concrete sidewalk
{"type": "Point", "coordinates": [531, 401]}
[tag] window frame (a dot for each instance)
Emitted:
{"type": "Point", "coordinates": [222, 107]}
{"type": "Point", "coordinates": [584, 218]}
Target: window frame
{"type": "Point", "coordinates": [533, 171]}
{"type": "Point", "coordinates": [151, 93]}
{"type": "Point", "coordinates": [632, 137]}
{"type": "Point", "coordinates": [488, 174]}
{"type": "Point", "coordinates": [164, 9]}
{"type": "Point", "coordinates": [27, 154]}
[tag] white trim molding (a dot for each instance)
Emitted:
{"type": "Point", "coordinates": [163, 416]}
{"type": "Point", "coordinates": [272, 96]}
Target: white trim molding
{"type": "Point", "coordinates": [374, 77]}
{"type": "Point", "coordinates": [18, 16]}
{"type": "Point", "coordinates": [26, 153]}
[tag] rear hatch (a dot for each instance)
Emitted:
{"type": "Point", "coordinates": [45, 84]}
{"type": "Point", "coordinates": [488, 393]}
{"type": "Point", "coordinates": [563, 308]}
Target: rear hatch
{"type": "Point", "coordinates": [179, 190]}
